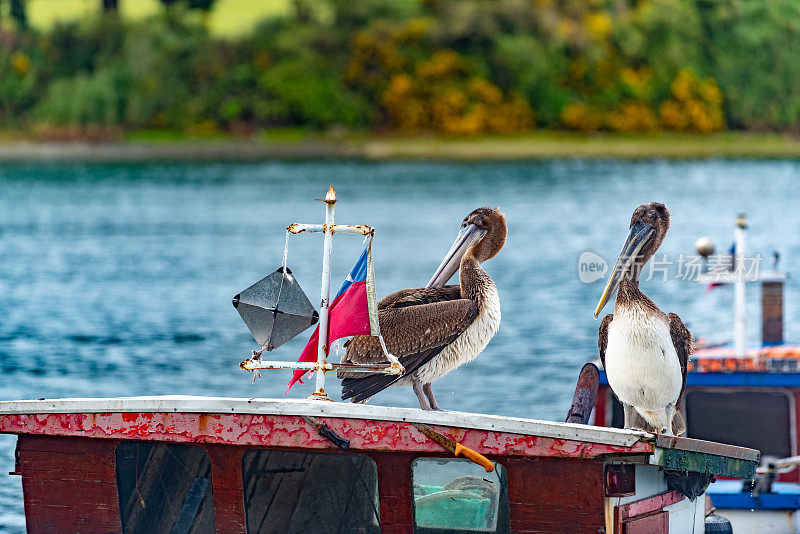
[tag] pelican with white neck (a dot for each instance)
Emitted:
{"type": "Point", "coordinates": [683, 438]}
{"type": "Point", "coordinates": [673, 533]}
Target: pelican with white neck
{"type": "Point", "coordinates": [644, 351]}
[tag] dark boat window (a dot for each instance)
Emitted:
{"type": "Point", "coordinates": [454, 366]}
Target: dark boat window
{"type": "Point", "coordinates": [453, 495]}
{"type": "Point", "coordinates": [301, 492]}
{"type": "Point", "coordinates": [759, 420]}
{"type": "Point", "coordinates": [164, 487]}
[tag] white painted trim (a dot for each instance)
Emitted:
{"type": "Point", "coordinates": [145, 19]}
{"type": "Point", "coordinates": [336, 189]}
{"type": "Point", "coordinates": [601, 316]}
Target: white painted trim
{"type": "Point", "coordinates": [221, 405]}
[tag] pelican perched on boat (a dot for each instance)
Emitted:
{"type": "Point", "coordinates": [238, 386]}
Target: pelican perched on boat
{"type": "Point", "coordinates": [643, 350]}
{"type": "Point", "coordinates": [435, 329]}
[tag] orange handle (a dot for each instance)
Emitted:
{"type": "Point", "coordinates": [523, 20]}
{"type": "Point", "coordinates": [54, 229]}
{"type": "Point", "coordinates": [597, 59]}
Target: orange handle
{"type": "Point", "coordinates": [475, 456]}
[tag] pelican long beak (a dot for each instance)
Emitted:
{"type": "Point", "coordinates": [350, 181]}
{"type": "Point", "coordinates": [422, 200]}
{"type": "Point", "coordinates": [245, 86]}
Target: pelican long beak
{"type": "Point", "coordinates": [467, 236]}
{"type": "Point", "coordinates": [640, 234]}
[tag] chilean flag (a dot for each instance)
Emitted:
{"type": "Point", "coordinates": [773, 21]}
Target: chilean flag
{"type": "Point", "coordinates": [353, 311]}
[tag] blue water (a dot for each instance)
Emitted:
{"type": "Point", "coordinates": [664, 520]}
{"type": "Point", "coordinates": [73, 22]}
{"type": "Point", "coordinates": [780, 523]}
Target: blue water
{"type": "Point", "coordinates": [116, 280]}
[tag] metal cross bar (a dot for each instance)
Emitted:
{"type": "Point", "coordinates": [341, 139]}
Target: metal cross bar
{"type": "Point", "coordinates": [298, 228]}
{"type": "Point", "coordinates": [384, 368]}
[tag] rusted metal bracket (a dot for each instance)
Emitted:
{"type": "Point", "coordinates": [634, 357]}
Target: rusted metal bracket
{"type": "Point", "coordinates": [585, 395]}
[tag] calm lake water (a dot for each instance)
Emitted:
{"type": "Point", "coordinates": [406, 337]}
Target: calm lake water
{"type": "Point", "coordinates": [116, 280]}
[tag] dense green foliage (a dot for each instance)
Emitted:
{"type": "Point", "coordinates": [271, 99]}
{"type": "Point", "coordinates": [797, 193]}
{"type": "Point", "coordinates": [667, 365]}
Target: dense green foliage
{"type": "Point", "coordinates": [455, 66]}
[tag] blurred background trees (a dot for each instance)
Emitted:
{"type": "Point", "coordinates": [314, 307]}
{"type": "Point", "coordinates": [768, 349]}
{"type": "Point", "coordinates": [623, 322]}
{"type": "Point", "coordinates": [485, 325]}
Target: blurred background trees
{"type": "Point", "coordinates": [461, 67]}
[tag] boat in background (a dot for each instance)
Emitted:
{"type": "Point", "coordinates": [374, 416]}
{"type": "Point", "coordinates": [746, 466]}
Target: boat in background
{"type": "Point", "coordinates": [747, 396]}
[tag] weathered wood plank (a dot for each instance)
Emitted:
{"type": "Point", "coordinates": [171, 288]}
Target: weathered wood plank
{"type": "Point", "coordinates": [69, 485]}
{"type": "Point", "coordinates": [652, 524]}
{"type": "Point", "coordinates": [711, 464]}
{"type": "Point", "coordinates": [226, 475]}
{"type": "Point", "coordinates": [394, 490]}
{"type": "Point", "coordinates": [649, 504]}
{"type": "Point", "coordinates": [553, 495]}
{"type": "Point", "coordinates": [706, 447]}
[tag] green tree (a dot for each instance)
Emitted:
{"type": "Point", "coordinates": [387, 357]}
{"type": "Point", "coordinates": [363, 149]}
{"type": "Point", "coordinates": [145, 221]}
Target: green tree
{"type": "Point", "coordinates": [752, 49]}
{"type": "Point", "coordinates": [203, 5]}
{"type": "Point", "coordinates": [18, 13]}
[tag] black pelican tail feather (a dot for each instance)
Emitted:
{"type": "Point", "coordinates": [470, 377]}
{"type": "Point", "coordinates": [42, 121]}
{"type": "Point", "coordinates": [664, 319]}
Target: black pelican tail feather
{"type": "Point", "coordinates": [360, 389]}
{"type": "Point", "coordinates": [422, 323]}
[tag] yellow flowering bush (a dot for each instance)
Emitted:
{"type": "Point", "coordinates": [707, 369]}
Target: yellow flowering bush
{"type": "Point", "coordinates": [20, 62]}
{"type": "Point", "coordinates": [441, 95]}
{"type": "Point", "coordinates": [696, 105]}
{"type": "Point", "coordinates": [581, 117]}
{"type": "Point", "coordinates": [598, 25]}
{"type": "Point", "coordinates": [403, 105]}
{"type": "Point", "coordinates": [632, 116]}
{"type": "Point", "coordinates": [376, 55]}
{"type": "Point", "coordinates": [637, 81]}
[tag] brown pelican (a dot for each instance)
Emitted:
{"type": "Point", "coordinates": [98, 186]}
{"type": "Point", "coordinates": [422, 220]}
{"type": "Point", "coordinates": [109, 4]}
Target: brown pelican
{"type": "Point", "coordinates": [433, 330]}
{"type": "Point", "coordinates": [643, 350]}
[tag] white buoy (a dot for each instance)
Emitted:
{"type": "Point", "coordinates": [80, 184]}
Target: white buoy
{"type": "Point", "coordinates": [704, 246]}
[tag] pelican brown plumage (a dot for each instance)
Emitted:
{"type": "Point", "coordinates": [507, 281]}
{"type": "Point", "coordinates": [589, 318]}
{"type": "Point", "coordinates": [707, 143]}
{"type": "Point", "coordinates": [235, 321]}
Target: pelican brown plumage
{"type": "Point", "coordinates": [643, 350]}
{"type": "Point", "coordinates": [435, 329]}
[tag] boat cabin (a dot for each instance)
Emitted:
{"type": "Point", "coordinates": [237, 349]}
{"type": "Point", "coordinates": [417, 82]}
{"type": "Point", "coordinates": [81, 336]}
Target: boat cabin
{"type": "Point", "coordinates": [197, 464]}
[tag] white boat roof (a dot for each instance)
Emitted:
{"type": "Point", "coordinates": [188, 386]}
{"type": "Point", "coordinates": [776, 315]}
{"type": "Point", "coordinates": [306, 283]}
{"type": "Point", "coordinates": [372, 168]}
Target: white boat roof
{"type": "Point", "coordinates": [305, 407]}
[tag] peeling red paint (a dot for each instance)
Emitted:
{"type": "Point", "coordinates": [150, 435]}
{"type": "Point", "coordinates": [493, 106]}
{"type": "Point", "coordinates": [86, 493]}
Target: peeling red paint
{"type": "Point", "coordinates": [293, 431]}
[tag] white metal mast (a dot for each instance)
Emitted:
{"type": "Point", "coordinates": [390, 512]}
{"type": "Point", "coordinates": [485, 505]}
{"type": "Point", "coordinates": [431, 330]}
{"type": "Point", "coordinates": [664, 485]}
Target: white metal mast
{"type": "Point", "coordinates": [321, 365]}
{"type": "Point", "coordinates": [740, 302]}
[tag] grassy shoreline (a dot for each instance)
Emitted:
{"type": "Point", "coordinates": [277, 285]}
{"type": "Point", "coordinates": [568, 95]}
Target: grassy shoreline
{"type": "Point", "coordinates": [291, 144]}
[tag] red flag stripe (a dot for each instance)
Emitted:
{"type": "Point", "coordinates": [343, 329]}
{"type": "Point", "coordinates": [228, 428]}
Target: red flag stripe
{"type": "Point", "coordinates": [348, 315]}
